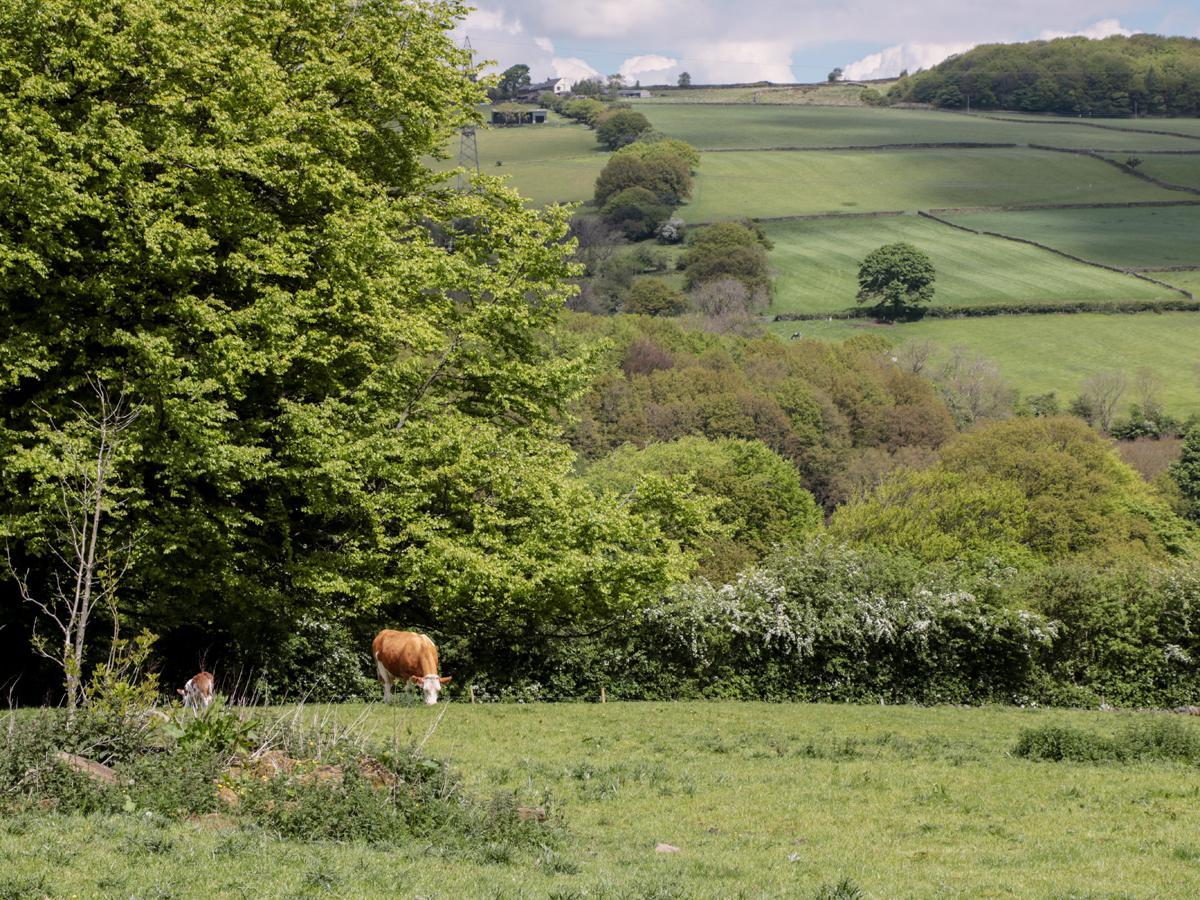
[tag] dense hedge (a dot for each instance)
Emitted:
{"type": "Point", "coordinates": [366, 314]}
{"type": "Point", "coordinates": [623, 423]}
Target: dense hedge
{"type": "Point", "coordinates": [828, 623]}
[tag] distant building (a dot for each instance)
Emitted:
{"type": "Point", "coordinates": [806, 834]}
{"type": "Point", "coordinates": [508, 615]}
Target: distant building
{"type": "Point", "coordinates": [515, 114]}
{"type": "Point", "coordinates": [556, 86]}
{"type": "Point", "coordinates": [633, 93]}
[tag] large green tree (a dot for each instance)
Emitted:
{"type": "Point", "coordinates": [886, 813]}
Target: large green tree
{"type": "Point", "coordinates": [898, 279]}
{"type": "Point", "coordinates": [350, 391]}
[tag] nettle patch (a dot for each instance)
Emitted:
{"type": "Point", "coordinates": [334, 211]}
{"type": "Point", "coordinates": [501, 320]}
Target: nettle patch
{"type": "Point", "coordinates": [299, 776]}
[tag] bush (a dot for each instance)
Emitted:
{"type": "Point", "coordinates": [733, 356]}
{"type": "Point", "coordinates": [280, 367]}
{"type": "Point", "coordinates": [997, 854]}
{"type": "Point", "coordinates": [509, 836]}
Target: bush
{"type": "Point", "coordinates": [727, 250]}
{"type": "Point", "coordinates": [616, 128]}
{"type": "Point", "coordinates": [636, 211]}
{"type": "Point", "coordinates": [666, 175]}
{"type": "Point", "coordinates": [1154, 740]}
{"type": "Point", "coordinates": [654, 297]}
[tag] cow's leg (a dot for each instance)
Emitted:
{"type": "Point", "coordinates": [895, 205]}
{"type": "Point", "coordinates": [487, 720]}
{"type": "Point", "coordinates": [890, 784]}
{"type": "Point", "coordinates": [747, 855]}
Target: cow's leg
{"type": "Point", "coordinates": [386, 677]}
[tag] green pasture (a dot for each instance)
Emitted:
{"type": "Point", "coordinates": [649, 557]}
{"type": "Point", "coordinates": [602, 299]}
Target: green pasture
{"type": "Point", "coordinates": [553, 163]}
{"type": "Point", "coordinates": [816, 263]}
{"type": "Point", "coordinates": [798, 94]}
{"type": "Point", "coordinates": [1040, 353]}
{"type": "Point", "coordinates": [772, 184]}
{"type": "Point", "coordinates": [782, 125]}
{"type": "Point", "coordinates": [1140, 236]}
{"type": "Point", "coordinates": [1186, 126]}
{"type": "Point", "coordinates": [1189, 281]}
{"type": "Point", "coordinates": [761, 800]}
{"type": "Point", "coordinates": [1182, 169]}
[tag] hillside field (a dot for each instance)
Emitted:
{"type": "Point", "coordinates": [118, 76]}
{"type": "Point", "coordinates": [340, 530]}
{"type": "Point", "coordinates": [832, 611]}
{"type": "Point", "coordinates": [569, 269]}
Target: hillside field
{"type": "Point", "coordinates": [776, 184]}
{"type": "Point", "coordinates": [816, 263]}
{"type": "Point", "coordinates": [765, 126]}
{"type": "Point", "coordinates": [1140, 236]}
{"type": "Point", "coordinates": [762, 800]}
{"type": "Point", "coordinates": [1183, 169]}
{"type": "Point", "coordinates": [1037, 354]}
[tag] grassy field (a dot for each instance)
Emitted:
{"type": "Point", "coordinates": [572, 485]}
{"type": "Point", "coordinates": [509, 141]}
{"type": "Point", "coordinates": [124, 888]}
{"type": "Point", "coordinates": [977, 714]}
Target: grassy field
{"type": "Point", "coordinates": [1179, 126]}
{"type": "Point", "coordinates": [553, 163]}
{"type": "Point", "coordinates": [1154, 236]}
{"type": "Point", "coordinates": [817, 266]}
{"type": "Point", "coordinates": [772, 184]}
{"type": "Point", "coordinates": [1056, 353]}
{"type": "Point", "coordinates": [1184, 170]}
{"type": "Point", "coordinates": [761, 800]}
{"type": "Point", "coordinates": [763, 126]}
{"type": "Point", "coordinates": [799, 94]}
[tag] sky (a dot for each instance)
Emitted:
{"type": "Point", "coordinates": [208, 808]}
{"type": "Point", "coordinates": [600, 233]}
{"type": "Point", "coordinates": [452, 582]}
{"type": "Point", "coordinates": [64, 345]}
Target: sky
{"type": "Point", "coordinates": [723, 41]}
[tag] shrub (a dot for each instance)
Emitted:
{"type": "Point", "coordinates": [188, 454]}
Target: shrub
{"type": "Point", "coordinates": [654, 297]}
{"type": "Point", "coordinates": [616, 128]}
{"type": "Point", "coordinates": [1157, 740]}
{"type": "Point", "coordinates": [729, 250]}
{"type": "Point", "coordinates": [636, 211]}
{"type": "Point", "coordinates": [665, 174]}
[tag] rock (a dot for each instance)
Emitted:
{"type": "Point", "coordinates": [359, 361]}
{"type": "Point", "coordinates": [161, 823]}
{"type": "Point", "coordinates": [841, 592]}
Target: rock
{"type": "Point", "coordinates": [227, 795]}
{"type": "Point", "coordinates": [531, 813]}
{"type": "Point", "coordinates": [96, 771]}
{"type": "Point", "coordinates": [1187, 710]}
{"type": "Point", "coordinates": [666, 848]}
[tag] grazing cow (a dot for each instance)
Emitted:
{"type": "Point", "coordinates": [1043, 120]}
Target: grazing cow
{"type": "Point", "coordinates": [406, 656]}
{"type": "Point", "coordinates": [198, 692]}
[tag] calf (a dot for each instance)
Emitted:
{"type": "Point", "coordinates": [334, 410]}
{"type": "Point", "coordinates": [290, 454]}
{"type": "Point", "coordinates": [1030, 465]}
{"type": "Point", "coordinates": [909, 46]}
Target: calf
{"type": "Point", "coordinates": [406, 656]}
{"type": "Point", "coordinates": [198, 692]}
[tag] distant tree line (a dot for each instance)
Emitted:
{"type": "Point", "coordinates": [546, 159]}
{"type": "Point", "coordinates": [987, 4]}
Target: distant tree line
{"type": "Point", "coordinates": [1116, 76]}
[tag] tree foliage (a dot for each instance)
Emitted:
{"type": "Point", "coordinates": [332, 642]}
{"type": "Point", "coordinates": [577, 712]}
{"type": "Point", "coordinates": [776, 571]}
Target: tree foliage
{"type": "Point", "coordinates": [757, 495]}
{"type": "Point", "coordinates": [897, 278]}
{"type": "Point", "coordinates": [637, 211]}
{"type": "Point", "coordinates": [1186, 473]}
{"type": "Point", "coordinates": [1114, 76]}
{"type": "Point", "coordinates": [1033, 488]}
{"type": "Point", "coordinates": [727, 250]}
{"type": "Point", "coordinates": [351, 397]}
{"type": "Point", "coordinates": [619, 127]}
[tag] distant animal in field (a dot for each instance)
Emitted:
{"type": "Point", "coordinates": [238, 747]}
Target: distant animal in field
{"type": "Point", "coordinates": [407, 657]}
{"type": "Point", "coordinates": [198, 692]}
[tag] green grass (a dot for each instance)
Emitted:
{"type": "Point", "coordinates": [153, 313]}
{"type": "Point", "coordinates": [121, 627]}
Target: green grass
{"type": "Point", "coordinates": [552, 163]}
{"type": "Point", "coordinates": [1189, 281]}
{"type": "Point", "coordinates": [1056, 353]}
{"type": "Point", "coordinates": [770, 184]}
{"type": "Point", "coordinates": [763, 800]}
{"type": "Point", "coordinates": [779, 125]}
{"type": "Point", "coordinates": [817, 266]}
{"type": "Point", "coordinates": [1179, 126]}
{"type": "Point", "coordinates": [1155, 236]}
{"type": "Point", "coordinates": [1184, 170]}
{"type": "Point", "coordinates": [802, 94]}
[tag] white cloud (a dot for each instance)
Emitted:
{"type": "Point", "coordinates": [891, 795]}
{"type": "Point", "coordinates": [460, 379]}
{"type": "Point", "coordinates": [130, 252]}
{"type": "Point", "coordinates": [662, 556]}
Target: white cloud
{"type": "Point", "coordinates": [572, 68]}
{"type": "Point", "coordinates": [544, 44]}
{"type": "Point", "coordinates": [894, 60]}
{"type": "Point", "coordinates": [493, 20]}
{"type": "Point", "coordinates": [636, 66]}
{"type": "Point", "coordinates": [740, 61]}
{"type": "Point", "coordinates": [1102, 29]}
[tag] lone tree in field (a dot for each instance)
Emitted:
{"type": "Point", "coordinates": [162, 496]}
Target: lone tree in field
{"type": "Point", "coordinates": [685, 79]}
{"type": "Point", "coordinates": [898, 279]}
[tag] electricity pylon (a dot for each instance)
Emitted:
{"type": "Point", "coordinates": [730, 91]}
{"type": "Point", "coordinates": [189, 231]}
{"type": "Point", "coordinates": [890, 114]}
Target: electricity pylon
{"type": "Point", "coordinates": [468, 150]}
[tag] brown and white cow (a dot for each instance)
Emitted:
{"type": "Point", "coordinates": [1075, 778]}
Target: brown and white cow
{"type": "Point", "coordinates": [198, 692]}
{"type": "Point", "coordinates": [406, 656]}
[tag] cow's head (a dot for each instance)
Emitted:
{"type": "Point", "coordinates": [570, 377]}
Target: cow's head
{"type": "Point", "coordinates": [430, 685]}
